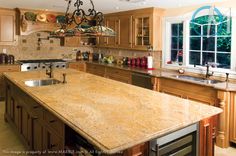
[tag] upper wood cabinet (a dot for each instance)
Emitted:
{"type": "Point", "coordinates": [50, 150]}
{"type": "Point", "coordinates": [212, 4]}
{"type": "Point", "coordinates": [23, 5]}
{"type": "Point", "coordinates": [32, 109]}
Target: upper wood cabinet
{"type": "Point", "coordinates": [136, 29]}
{"type": "Point", "coordinates": [71, 41]}
{"type": "Point", "coordinates": [142, 30]}
{"type": "Point", "coordinates": [7, 27]}
{"type": "Point", "coordinates": [124, 33]}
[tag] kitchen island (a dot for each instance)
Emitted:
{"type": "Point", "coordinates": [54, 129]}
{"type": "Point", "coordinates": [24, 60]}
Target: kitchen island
{"type": "Point", "coordinates": [111, 116]}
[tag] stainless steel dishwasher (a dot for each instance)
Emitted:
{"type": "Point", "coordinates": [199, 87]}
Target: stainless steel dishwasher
{"type": "Point", "coordinates": [142, 80]}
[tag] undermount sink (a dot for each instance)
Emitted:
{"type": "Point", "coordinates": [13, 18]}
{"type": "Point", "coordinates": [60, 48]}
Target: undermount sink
{"type": "Point", "coordinates": [45, 82]}
{"type": "Point", "coordinates": [197, 79]}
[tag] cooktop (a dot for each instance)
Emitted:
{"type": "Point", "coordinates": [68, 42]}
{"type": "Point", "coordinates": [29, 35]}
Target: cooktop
{"type": "Point", "coordinates": [41, 60]}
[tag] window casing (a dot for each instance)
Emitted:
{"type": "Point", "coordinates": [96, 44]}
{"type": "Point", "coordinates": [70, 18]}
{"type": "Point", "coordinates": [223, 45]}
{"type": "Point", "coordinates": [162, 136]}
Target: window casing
{"type": "Point", "coordinates": [189, 66]}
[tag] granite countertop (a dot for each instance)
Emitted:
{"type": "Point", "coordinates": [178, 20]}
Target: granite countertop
{"type": "Point", "coordinates": [9, 64]}
{"type": "Point", "coordinates": [227, 86]}
{"type": "Point", "coordinates": [112, 115]}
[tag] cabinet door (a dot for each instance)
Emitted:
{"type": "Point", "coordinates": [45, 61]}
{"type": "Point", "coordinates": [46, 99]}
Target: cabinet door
{"type": "Point", "coordinates": [112, 23]}
{"type": "Point", "coordinates": [2, 88]}
{"type": "Point", "coordinates": [206, 141]}
{"type": "Point", "coordinates": [72, 41]}
{"type": "Point", "coordinates": [36, 134]}
{"type": "Point", "coordinates": [139, 150]}
{"type": "Point", "coordinates": [52, 142]}
{"type": "Point", "coordinates": [124, 31]}
{"type": "Point", "coordinates": [7, 33]}
{"type": "Point", "coordinates": [78, 66]}
{"type": "Point", "coordinates": [24, 124]}
{"type": "Point", "coordinates": [142, 30]}
{"type": "Point", "coordinates": [233, 118]}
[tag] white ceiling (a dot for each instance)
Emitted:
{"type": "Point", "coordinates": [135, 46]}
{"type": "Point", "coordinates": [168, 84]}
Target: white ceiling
{"type": "Point", "coordinates": [105, 6]}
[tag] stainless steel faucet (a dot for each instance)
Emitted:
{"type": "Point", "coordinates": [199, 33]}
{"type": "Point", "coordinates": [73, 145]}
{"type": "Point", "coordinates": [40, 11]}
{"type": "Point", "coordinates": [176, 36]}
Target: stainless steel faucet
{"type": "Point", "coordinates": [208, 74]}
{"type": "Point", "coordinates": [50, 71]}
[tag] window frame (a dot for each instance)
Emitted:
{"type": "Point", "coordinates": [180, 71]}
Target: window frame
{"type": "Point", "coordinates": [186, 18]}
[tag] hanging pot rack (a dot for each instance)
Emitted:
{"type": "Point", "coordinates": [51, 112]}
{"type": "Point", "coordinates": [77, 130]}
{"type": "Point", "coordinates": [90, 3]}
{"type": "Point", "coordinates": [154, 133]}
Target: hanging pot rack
{"type": "Point", "coordinates": [81, 22]}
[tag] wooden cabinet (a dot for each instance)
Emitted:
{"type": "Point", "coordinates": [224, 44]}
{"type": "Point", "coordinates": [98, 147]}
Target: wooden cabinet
{"type": "Point", "coordinates": [95, 69]}
{"type": "Point", "coordinates": [7, 27]}
{"type": "Point", "coordinates": [142, 29]}
{"type": "Point", "coordinates": [207, 136]}
{"type": "Point", "coordinates": [138, 150]}
{"type": "Point", "coordinates": [71, 41]}
{"type": "Point", "coordinates": [118, 74]}
{"type": "Point", "coordinates": [233, 118]}
{"type": "Point", "coordinates": [81, 66]}
{"type": "Point", "coordinates": [6, 68]}
{"type": "Point", "coordinates": [52, 142]}
{"type": "Point", "coordinates": [190, 91]}
{"type": "Point", "coordinates": [112, 22]}
{"type": "Point", "coordinates": [38, 128]}
{"type": "Point", "coordinates": [135, 29]}
{"type": "Point", "coordinates": [37, 134]}
{"type": "Point", "coordinates": [125, 31]}
{"type": "Point", "coordinates": [109, 72]}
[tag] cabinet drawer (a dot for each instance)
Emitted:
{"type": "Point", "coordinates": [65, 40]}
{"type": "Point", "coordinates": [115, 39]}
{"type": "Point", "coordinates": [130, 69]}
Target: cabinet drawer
{"type": "Point", "coordinates": [9, 68]}
{"type": "Point", "coordinates": [78, 66]}
{"type": "Point", "coordinates": [96, 69]}
{"type": "Point", "coordinates": [54, 123]}
{"type": "Point", "coordinates": [118, 72]}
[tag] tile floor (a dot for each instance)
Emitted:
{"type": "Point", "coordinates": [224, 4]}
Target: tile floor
{"type": "Point", "coordinates": [9, 141]}
{"type": "Point", "coordinates": [10, 144]}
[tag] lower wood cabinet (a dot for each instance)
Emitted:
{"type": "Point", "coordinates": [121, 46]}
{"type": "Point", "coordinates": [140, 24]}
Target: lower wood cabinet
{"type": "Point", "coordinates": [38, 128]}
{"type": "Point", "coordinates": [118, 74]}
{"type": "Point", "coordinates": [207, 131]}
{"type": "Point", "coordinates": [233, 118]}
{"type": "Point", "coordinates": [37, 134]}
{"type": "Point", "coordinates": [189, 91]}
{"type": "Point", "coordinates": [109, 72]}
{"type": "Point", "coordinates": [6, 68]}
{"type": "Point", "coordinates": [81, 66]}
{"type": "Point", "coordinates": [95, 69]}
{"type": "Point", "coordinates": [138, 150]}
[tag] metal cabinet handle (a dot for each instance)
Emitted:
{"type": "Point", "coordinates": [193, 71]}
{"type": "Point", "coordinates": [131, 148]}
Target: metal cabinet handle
{"type": "Point", "coordinates": [34, 118]}
{"type": "Point", "coordinates": [36, 107]}
{"type": "Point", "coordinates": [52, 121]}
{"type": "Point", "coordinates": [53, 145]}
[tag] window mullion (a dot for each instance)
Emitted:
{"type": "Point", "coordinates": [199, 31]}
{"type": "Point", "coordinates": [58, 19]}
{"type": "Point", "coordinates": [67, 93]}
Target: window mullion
{"type": "Point", "coordinates": [216, 39]}
{"type": "Point", "coordinates": [201, 53]}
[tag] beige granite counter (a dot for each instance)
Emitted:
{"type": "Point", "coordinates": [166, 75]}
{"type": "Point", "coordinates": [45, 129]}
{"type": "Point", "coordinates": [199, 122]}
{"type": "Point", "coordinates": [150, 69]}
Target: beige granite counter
{"type": "Point", "coordinates": [112, 115]}
{"type": "Point", "coordinates": [227, 86]}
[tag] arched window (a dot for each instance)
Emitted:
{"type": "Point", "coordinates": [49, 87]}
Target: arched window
{"type": "Point", "coordinates": [210, 41]}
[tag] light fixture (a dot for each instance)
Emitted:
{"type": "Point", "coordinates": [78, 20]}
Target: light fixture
{"type": "Point", "coordinates": [81, 23]}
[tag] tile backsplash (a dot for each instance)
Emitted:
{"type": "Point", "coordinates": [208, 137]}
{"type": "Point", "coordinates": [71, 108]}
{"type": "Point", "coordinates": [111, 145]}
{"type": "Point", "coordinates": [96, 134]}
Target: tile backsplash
{"type": "Point", "coordinates": [29, 47]}
{"type": "Point", "coordinates": [119, 53]}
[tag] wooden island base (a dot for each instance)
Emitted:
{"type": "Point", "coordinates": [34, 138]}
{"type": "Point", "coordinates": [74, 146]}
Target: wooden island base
{"type": "Point", "coordinates": [42, 131]}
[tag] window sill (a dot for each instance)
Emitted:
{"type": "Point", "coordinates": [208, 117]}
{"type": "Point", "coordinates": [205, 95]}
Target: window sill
{"type": "Point", "coordinates": [218, 72]}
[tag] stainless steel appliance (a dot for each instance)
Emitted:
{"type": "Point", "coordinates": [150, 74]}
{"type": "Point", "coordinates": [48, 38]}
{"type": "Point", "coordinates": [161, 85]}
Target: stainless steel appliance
{"type": "Point", "coordinates": [29, 65]}
{"type": "Point", "coordinates": [142, 80]}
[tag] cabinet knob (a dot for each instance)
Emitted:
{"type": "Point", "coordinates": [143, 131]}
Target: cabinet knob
{"type": "Point", "coordinates": [18, 107]}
